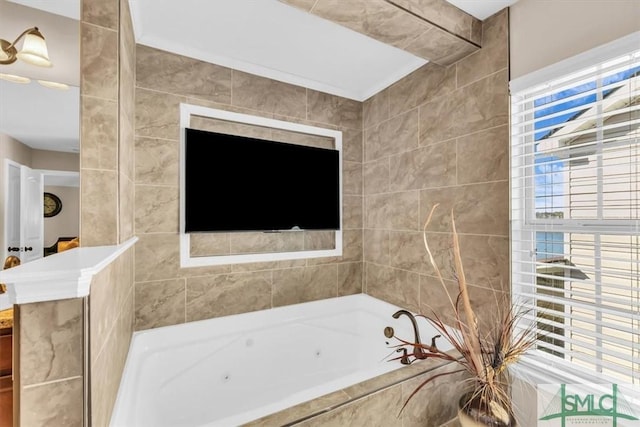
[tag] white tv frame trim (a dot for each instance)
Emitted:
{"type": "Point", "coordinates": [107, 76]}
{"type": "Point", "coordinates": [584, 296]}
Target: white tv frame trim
{"type": "Point", "coordinates": [186, 260]}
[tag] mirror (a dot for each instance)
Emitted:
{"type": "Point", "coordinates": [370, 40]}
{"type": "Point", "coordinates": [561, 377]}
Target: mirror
{"type": "Point", "coordinates": [40, 121]}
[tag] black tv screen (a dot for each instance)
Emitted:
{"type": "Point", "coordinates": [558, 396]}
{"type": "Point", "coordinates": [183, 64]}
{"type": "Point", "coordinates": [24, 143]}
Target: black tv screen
{"type": "Point", "coordinates": [236, 183]}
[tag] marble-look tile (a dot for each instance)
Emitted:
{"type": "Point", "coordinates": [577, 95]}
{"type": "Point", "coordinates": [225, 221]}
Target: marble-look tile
{"type": "Point", "coordinates": [478, 106]}
{"type": "Point", "coordinates": [399, 287]}
{"type": "Point", "coordinates": [426, 167]}
{"type": "Point", "coordinates": [436, 402]}
{"type": "Point", "coordinates": [378, 409]}
{"type": "Point", "coordinates": [305, 5]}
{"type": "Point", "coordinates": [156, 209]}
{"type": "Point", "coordinates": [375, 110]}
{"type": "Point", "coordinates": [490, 306]}
{"type": "Point", "coordinates": [483, 156]}
{"type": "Point", "coordinates": [159, 303]}
{"type": "Point", "coordinates": [374, 18]}
{"type": "Point", "coordinates": [296, 285]}
{"type": "Point", "coordinates": [267, 95]}
{"type": "Point", "coordinates": [158, 114]}
{"type": "Point", "coordinates": [476, 32]}
{"type": "Point", "coordinates": [99, 133]}
{"type": "Point", "coordinates": [486, 260]}
{"type": "Point", "coordinates": [335, 110]}
{"type": "Point", "coordinates": [493, 56]}
{"type": "Point", "coordinates": [435, 298]}
{"type": "Point", "coordinates": [99, 68]}
{"type": "Point", "coordinates": [53, 404]}
{"type": "Point", "coordinates": [443, 14]}
{"type": "Point", "coordinates": [126, 150]}
{"type": "Point", "coordinates": [50, 341]}
{"type": "Point", "coordinates": [407, 251]}
{"type": "Point", "coordinates": [209, 244]}
{"type": "Point", "coordinates": [127, 36]}
{"type": "Point", "coordinates": [157, 256]}
{"type": "Point", "coordinates": [127, 107]}
{"type": "Point", "coordinates": [106, 298]}
{"type": "Point", "coordinates": [426, 83]}
{"type": "Point", "coordinates": [180, 75]}
{"type": "Point", "coordinates": [290, 415]}
{"type": "Point", "coordinates": [394, 377]}
{"type": "Point", "coordinates": [126, 207]}
{"type": "Point", "coordinates": [315, 240]}
{"type": "Point", "coordinates": [352, 212]}
{"type": "Point", "coordinates": [244, 243]}
{"type": "Point", "coordinates": [100, 12]}
{"type": "Point", "coordinates": [99, 214]}
{"type": "Point", "coordinates": [157, 161]}
{"type": "Point", "coordinates": [376, 176]}
{"type": "Point", "coordinates": [352, 142]}
{"type": "Point", "coordinates": [107, 369]}
{"type": "Point", "coordinates": [222, 295]}
{"type": "Point", "coordinates": [350, 278]}
{"type": "Point", "coordinates": [394, 136]}
{"type": "Point", "coordinates": [477, 208]}
{"type": "Point", "coordinates": [440, 47]}
{"type": "Point", "coordinates": [376, 246]}
{"type": "Point", "coordinates": [351, 246]}
{"type": "Point", "coordinates": [393, 211]}
{"type": "Point", "coordinates": [351, 178]}
{"type": "Point", "coordinates": [299, 138]}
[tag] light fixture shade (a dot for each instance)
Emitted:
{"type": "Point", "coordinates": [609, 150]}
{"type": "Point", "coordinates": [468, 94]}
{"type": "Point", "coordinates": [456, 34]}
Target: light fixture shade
{"type": "Point", "coordinates": [15, 79]}
{"type": "Point", "coordinates": [34, 50]}
{"type": "Point", "coordinates": [53, 85]}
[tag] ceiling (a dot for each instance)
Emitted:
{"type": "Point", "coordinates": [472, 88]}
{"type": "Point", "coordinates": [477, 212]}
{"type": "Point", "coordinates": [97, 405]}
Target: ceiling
{"type": "Point", "coordinates": [265, 37]}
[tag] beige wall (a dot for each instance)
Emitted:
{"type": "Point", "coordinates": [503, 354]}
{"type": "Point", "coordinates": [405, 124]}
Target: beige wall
{"type": "Point", "coordinates": [440, 135]}
{"type": "Point", "coordinates": [55, 160]}
{"type": "Point", "coordinates": [166, 294]}
{"type": "Point", "coordinates": [65, 224]}
{"type": "Point", "coordinates": [544, 32]}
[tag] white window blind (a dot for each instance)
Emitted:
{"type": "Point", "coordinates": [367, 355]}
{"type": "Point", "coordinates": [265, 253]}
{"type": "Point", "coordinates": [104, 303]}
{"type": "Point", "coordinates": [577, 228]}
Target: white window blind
{"type": "Point", "coordinates": [575, 174]}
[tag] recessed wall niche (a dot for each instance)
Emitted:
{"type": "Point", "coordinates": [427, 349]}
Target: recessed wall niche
{"type": "Point", "coordinates": [202, 249]}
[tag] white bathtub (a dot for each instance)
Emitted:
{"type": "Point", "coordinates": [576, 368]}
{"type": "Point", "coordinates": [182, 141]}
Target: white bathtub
{"type": "Point", "coordinates": [231, 370]}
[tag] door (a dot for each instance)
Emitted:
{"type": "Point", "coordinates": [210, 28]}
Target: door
{"type": "Point", "coordinates": [31, 214]}
{"type": "Point", "coordinates": [24, 217]}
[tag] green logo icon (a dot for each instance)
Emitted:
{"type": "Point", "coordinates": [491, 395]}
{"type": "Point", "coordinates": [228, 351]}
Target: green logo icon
{"type": "Point", "coordinates": [586, 407]}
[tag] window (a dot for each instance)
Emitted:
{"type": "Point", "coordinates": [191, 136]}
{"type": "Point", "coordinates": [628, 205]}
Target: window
{"type": "Point", "coordinates": [575, 174]}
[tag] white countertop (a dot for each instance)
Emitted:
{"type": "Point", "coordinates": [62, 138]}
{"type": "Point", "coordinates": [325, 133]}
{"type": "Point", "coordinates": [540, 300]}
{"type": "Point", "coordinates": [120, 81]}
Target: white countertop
{"type": "Point", "coordinates": [64, 275]}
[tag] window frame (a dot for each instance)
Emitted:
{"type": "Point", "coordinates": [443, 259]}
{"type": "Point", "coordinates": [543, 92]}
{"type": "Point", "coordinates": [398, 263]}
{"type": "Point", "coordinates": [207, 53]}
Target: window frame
{"type": "Point", "coordinates": [524, 223]}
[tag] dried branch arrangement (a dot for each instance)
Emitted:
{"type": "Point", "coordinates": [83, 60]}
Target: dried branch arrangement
{"type": "Point", "coordinates": [485, 357]}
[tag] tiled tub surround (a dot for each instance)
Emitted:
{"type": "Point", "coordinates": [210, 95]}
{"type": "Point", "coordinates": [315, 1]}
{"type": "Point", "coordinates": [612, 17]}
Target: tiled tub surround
{"type": "Point", "coordinates": [431, 29]}
{"type": "Point", "coordinates": [289, 364]}
{"type": "Point", "coordinates": [166, 294]}
{"type": "Point", "coordinates": [440, 135]}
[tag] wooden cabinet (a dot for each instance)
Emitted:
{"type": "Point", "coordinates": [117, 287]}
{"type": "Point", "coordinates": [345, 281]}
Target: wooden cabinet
{"type": "Point", "coordinates": [5, 352]}
{"type": "Point", "coordinates": [6, 383]}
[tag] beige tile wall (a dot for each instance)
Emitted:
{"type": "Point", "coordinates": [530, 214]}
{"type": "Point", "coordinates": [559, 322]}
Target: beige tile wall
{"type": "Point", "coordinates": [432, 29]}
{"type": "Point", "coordinates": [110, 328]}
{"type": "Point", "coordinates": [440, 135]}
{"type": "Point", "coordinates": [107, 189]}
{"type": "Point", "coordinates": [50, 376]}
{"type": "Point", "coordinates": [165, 294]}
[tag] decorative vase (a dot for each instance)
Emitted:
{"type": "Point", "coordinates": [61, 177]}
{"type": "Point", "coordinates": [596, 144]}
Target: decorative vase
{"type": "Point", "coordinates": [471, 414]}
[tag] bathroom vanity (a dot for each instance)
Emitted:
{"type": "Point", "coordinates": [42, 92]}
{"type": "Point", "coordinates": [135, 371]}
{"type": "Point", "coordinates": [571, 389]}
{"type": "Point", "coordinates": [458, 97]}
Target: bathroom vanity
{"type": "Point", "coordinates": [6, 380]}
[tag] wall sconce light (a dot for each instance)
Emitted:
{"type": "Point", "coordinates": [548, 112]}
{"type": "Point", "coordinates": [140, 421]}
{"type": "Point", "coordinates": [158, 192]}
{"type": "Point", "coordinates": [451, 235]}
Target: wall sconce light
{"type": "Point", "coordinates": [34, 49]}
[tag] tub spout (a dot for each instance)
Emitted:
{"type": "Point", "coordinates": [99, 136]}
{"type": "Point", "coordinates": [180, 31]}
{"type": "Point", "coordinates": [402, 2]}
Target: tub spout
{"type": "Point", "coordinates": [418, 351]}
